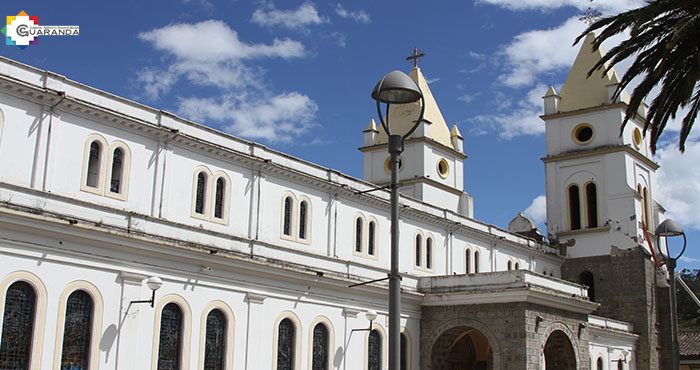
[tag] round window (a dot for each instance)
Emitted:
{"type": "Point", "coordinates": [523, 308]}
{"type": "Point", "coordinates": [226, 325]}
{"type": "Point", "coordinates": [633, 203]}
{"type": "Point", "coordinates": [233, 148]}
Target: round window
{"type": "Point", "coordinates": [387, 164]}
{"type": "Point", "coordinates": [583, 133]}
{"type": "Point", "coordinates": [637, 136]}
{"type": "Point", "coordinates": [443, 168]}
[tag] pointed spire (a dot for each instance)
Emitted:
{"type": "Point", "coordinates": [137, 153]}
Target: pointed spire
{"type": "Point", "coordinates": [551, 101]}
{"type": "Point", "coordinates": [579, 90]}
{"type": "Point", "coordinates": [370, 133]}
{"type": "Point", "coordinates": [372, 125]}
{"type": "Point", "coordinates": [457, 139]}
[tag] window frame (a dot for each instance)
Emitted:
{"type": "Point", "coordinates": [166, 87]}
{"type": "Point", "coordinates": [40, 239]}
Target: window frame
{"type": "Point", "coordinates": [586, 200]}
{"type": "Point", "coordinates": [570, 205]}
{"type": "Point", "coordinates": [226, 198]}
{"type": "Point", "coordinates": [126, 168]}
{"type": "Point", "coordinates": [230, 330]}
{"type": "Point", "coordinates": [322, 320]}
{"type": "Point", "coordinates": [307, 219]}
{"type": "Point", "coordinates": [101, 162]}
{"type": "Point", "coordinates": [383, 345]}
{"type": "Point", "coordinates": [297, 338]}
{"type": "Point", "coordinates": [186, 329]}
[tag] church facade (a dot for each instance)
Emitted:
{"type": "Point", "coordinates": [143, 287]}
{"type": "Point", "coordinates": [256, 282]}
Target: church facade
{"type": "Point", "coordinates": [131, 238]}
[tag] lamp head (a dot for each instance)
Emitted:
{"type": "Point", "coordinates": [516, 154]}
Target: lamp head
{"type": "Point", "coordinates": [669, 228]}
{"type": "Point", "coordinates": [396, 88]}
{"type": "Point", "coordinates": [154, 283]}
{"type": "Point", "coordinates": [371, 315]}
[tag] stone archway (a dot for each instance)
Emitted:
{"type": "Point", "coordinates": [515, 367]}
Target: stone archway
{"type": "Point", "coordinates": [461, 348]}
{"type": "Point", "coordinates": [559, 353]}
{"type": "Point", "coordinates": [447, 336]}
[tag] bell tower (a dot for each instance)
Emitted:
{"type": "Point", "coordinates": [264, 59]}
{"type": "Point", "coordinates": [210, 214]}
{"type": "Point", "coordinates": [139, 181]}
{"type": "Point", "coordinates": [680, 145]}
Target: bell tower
{"type": "Point", "coordinates": [431, 167]}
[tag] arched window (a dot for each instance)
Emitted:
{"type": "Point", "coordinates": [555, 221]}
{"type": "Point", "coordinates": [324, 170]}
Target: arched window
{"type": "Point", "coordinates": [287, 219]}
{"type": "Point", "coordinates": [374, 351]}
{"type": "Point", "coordinates": [358, 235]}
{"type": "Point", "coordinates": [586, 278]}
{"type": "Point", "coordinates": [170, 338]}
{"type": "Point", "coordinates": [17, 326]}
{"type": "Point", "coordinates": [468, 261]}
{"type": "Point", "coordinates": [320, 348]}
{"type": "Point", "coordinates": [592, 204]}
{"type": "Point", "coordinates": [201, 193]}
{"type": "Point", "coordinates": [94, 163]}
{"type": "Point", "coordinates": [215, 341]}
{"type": "Point", "coordinates": [76, 334]}
{"type": "Point", "coordinates": [429, 253]}
{"type": "Point", "coordinates": [476, 262]}
{"type": "Point", "coordinates": [647, 213]}
{"type": "Point", "coordinates": [574, 208]}
{"type": "Point", "coordinates": [286, 348]}
{"type": "Point", "coordinates": [219, 197]}
{"type": "Point", "coordinates": [303, 219]}
{"type": "Point", "coordinates": [404, 352]}
{"type": "Point", "coordinates": [510, 265]}
{"type": "Point", "coordinates": [371, 231]}
{"type": "Point", "coordinates": [599, 364]}
{"type": "Point", "coordinates": [115, 183]}
{"type": "Point", "coordinates": [419, 250]}
{"type": "Point", "coordinates": [620, 365]}
{"type": "Point", "coordinates": [517, 266]}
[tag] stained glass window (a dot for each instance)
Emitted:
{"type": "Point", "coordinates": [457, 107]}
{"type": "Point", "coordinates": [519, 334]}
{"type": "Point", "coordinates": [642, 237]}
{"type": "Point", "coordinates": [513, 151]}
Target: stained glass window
{"type": "Point", "coordinates": [170, 339]}
{"type": "Point", "coordinates": [215, 347]}
{"type": "Point", "coordinates": [201, 190]}
{"type": "Point", "coordinates": [303, 210]}
{"type": "Point", "coordinates": [320, 348]}
{"type": "Point", "coordinates": [285, 345]}
{"type": "Point", "coordinates": [76, 333]}
{"type": "Point", "coordinates": [370, 238]}
{"type": "Point", "coordinates": [17, 326]}
{"type": "Point", "coordinates": [374, 351]}
{"type": "Point", "coordinates": [116, 180]}
{"type": "Point", "coordinates": [358, 234]}
{"type": "Point", "coordinates": [287, 222]}
{"type": "Point", "coordinates": [93, 168]}
{"type": "Point", "coordinates": [219, 197]}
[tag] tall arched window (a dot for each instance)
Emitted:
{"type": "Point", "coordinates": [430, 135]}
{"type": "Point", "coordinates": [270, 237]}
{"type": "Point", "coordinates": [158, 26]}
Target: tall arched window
{"type": "Point", "coordinates": [419, 250]}
{"type": "Point", "coordinates": [574, 208]}
{"type": "Point", "coordinates": [320, 348]}
{"type": "Point", "coordinates": [510, 265]}
{"type": "Point", "coordinates": [17, 326]}
{"type": "Point", "coordinates": [358, 235]}
{"type": "Point", "coordinates": [592, 204]}
{"type": "Point", "coordinates": [115, 183]}
{"type": "Point", "coordinates": [170, 338]}
{"type": "Point", "coordinates": [374, 350]}
{"type": "Point", "coordinates": [286, 346]}
{"type": "Point", "coordinates": [517, 266]}
{"type": "Point", "coordinates": [429, 253]}
{"type": "Point", "coordinates": [468, 261]}
{"type": "Point", "coordinates": [404, 352]}
{"type": "Point", "coordinates": [586, 278]}
{"type": "Point", "coordinates": [215, 341]}
{"type": "Point", "coordinates": [599, 364]}
{"type": "Point", "coordinates": [75, 352]}
{"type": "Point", "coordinates": [201, 193]}
{"type": "Point", "coordinates": [303, 219]}
{"type": "Point", "coordinates": [620, 365]}
{"type": "Point", "coordinates": [287, 219]}
{"type": "Point", "coordinates": [219, 197]}
{"type": "Point", "coordinates": [476, 262]}
{"type": "Point", "coordinates": [647, 213]}
{"type": "Point", "coordinates": [94, 163]}
{"type": "Point", "coordinates": [371, 231]}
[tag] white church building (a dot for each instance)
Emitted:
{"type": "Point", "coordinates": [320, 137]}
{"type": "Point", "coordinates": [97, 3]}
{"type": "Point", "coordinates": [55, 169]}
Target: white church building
{"type": "Point", "coordinates": [254, 253]}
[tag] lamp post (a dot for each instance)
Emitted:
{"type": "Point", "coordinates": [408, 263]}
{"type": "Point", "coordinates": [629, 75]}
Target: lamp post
{"type": "Point", "coordinates": [396, 88]}
{"type": "Point", "coordinates": [666, 229]}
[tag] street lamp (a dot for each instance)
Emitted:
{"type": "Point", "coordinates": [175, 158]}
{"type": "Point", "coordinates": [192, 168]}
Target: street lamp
{"type": "Point", "coordinates": [154, 283]}
{"type": "Point", "coordinates": [666, 229]}
{"type": "Point", "coordinates": [396, 88]}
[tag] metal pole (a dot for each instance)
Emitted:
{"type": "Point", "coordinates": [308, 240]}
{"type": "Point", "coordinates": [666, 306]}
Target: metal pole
{"type": "Point", "coordinates": [674, 316]}
{"type": "Point", "coordinates": [395, 149]}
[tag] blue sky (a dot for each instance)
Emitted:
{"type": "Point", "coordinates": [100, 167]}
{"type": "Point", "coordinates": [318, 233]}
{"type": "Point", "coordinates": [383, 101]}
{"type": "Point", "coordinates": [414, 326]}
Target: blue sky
{"type": "Point", "coordinates": [297, 76]}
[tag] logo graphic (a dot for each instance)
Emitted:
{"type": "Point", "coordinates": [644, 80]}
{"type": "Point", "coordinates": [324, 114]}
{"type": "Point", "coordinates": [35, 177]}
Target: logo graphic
{"type": "Point", "coordinates": [23, 30]}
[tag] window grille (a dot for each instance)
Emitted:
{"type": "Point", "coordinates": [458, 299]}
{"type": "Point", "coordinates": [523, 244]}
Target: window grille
{"type": "Point", "coordinates": [285, 345]}
{"type": "Point", "coordinates": [287, 223]}
{"type": "Point", "coordinates": [215, 337]}
{"type": "Point", "coordinates": [219, 197]}
{"type": "Point", "coordinates": [75, 354]}
{"type": "Point", "coordinates": [17, 326]}
{"type": "Point", "coordinates": [93, 170]}
{"type": "Point", "coordinates": [320, 348]}
{"type": "Point", "coordinates": [117, 166]}
{"type": "Point", "coordinates": [201, 190]}
{"type": "Point", "coordinates": [374, 351]}
{"type": "Point", "coordinates": [302, 219]}
{"type": "Point", "coordinates": [170, 339]}
{"type": "Point", "coordinates": [358, 235]}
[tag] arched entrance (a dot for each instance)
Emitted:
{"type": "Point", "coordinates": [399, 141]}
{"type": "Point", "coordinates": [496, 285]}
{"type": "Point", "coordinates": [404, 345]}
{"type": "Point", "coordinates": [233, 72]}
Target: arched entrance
{"type": "Point", "coordinates": [462, 348]}
{"type": "Point", "coordinates": [558, 352]}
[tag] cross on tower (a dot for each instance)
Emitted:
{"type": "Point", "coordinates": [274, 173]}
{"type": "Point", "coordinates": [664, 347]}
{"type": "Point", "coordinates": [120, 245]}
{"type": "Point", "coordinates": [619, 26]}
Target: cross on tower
{"type": "Point", "coordinates": [416, 54]}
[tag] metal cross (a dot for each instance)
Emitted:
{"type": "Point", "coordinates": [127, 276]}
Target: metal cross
{"type": "Point", "coordinates": [416, 54]}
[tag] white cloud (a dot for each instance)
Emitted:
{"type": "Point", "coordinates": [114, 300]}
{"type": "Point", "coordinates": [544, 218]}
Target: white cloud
{"type": "Point", "coordinates": [359, 16]}
{"type": "Point", "coordinates": [211, 54]}
{"type": "Point", "coordinates": [605, 6]}
{"type": "Point", "coordinates": [679, 182]}
{"type": "Point", "coordinates": [537, 211]}
{"type": "Point", "coordinates": [273, 118]}
{"type": "Point", "coordinates": [468, 98]}
{"type": "Point", "coordinates": [522, 119]}
{"type": "Point", "coordinates": [305, 15]}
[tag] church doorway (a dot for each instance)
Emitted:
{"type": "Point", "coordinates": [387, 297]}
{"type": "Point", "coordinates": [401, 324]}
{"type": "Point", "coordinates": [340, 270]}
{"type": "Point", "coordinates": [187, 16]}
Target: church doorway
{"type": "Point", "coordinates": [462, 348]}
{"type": "Point", "coordinates": [559, 353]}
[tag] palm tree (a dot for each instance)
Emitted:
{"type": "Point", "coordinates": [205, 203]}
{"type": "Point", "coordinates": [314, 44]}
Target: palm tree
{"type": "Point", "coordinates": [665, 41]}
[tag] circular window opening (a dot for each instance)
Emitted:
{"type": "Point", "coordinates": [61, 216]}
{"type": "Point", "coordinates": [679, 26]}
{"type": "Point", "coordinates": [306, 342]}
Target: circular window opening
{"type": "Point", "coordinates": [387, 164]}
{"type": "Point", "coordinates": [583, 133]}
{"type": "Point", "coordinates": [637, 135]}
{"type": "Point", "coordinates": [443, 168]}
